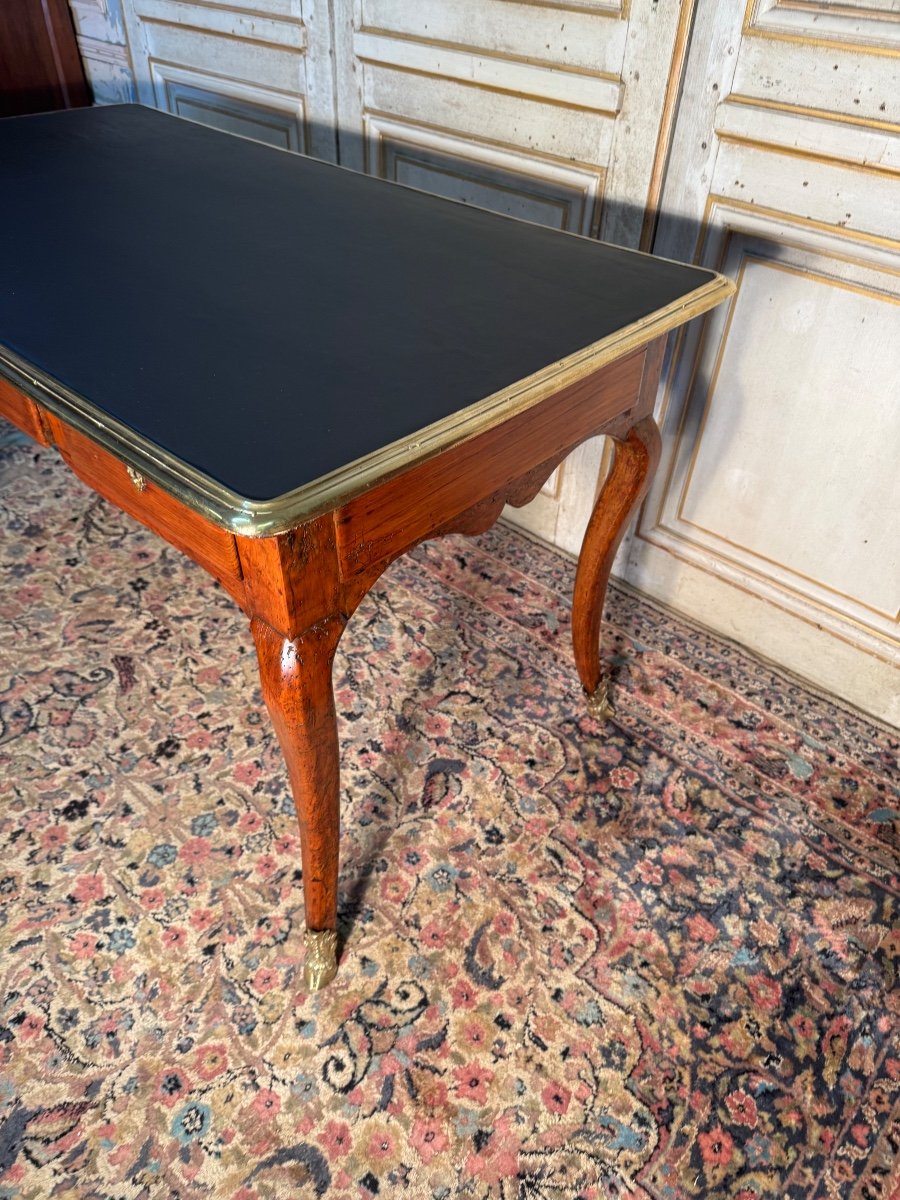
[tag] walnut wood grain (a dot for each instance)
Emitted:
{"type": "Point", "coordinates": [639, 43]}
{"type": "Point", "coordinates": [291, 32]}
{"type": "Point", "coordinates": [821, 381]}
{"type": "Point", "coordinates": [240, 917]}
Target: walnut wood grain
{"type": "Point", "coordinates": [634, 464]}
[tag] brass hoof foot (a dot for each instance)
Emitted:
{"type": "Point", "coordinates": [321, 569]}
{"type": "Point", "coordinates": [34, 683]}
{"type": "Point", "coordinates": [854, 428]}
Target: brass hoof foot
{"type": "Point", "coordinates": [320, 964]}
{"type": "Point", "coordinates": [599, 704]}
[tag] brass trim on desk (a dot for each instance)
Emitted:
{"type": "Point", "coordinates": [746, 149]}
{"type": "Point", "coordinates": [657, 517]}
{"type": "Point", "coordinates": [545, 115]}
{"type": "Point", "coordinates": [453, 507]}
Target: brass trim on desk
{"type": "Point", "coordinates": [263, 518]}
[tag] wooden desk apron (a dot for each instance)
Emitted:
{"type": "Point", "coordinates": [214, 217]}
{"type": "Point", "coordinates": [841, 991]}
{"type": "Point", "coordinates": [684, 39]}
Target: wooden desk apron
{"type": "Point", "coordinates": [294, 374]}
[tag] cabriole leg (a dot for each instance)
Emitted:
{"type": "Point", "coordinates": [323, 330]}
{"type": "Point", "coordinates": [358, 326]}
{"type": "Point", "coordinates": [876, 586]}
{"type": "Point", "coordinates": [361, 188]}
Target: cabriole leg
{"type": "Point", "coordinates": [636, 458]}
{"type": "Point", "coordinates": [296, 684]}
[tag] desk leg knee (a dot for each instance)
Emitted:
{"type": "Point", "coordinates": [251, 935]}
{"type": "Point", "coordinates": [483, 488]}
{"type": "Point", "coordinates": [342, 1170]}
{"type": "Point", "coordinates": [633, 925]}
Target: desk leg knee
{"type": "Point", "coordinates": [636, 458]}
{"type": "Point", "coordinates": [296, 684]}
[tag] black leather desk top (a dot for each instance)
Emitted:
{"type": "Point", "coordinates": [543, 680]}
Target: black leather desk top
{"type": "Point", "coordinates": [267, 318]}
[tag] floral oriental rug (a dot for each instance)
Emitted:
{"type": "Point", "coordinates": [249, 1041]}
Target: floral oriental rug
{"type": "Point", "coordinates": [653, 959]}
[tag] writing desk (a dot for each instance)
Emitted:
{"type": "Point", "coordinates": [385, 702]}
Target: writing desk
{"type": "Point", "coordinates": [295, 373]}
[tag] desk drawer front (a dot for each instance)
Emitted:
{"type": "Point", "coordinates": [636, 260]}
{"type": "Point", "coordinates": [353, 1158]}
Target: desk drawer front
{"type": "Point", "coordinates": [208, 545]}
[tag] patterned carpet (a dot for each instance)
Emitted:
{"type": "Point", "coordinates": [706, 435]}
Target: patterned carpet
{"type": "Point", "coordinates": [653, 960]}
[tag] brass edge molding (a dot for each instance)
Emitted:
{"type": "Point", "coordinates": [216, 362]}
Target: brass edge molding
{"type": "Point", "coordinates": [264, 518]}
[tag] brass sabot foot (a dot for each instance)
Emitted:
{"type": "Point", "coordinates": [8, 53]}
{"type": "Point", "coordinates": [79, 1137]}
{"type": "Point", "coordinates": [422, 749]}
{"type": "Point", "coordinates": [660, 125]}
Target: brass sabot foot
{"type": "Point", "coordinates": [599, 704]}
{"type": "Point", "coordinates": [320, 964]}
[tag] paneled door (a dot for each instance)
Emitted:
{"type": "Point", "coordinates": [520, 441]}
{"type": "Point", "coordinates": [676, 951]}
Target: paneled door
{"type": "Point", "coordinates": [775, 517]}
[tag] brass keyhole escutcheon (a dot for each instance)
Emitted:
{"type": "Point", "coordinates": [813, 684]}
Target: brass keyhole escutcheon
{"type": "Point", "coordinates": [136, 478]}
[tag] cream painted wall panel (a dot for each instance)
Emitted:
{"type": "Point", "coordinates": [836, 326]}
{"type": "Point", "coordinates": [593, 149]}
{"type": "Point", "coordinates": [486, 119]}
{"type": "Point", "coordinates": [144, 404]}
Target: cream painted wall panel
{"type": "Point", "coordinates": [829, 78]}
{"type": "Point", "coordinates": [867, 23]}
{"type": "Point", "coordinates": [656, 43]}
{"type": "Point", "coordinates": [99, 20]}
{"type": "Point", "coordinates": [416, 172]}
{"type": "Point", "coordinates": [247, 62]}
{"type": "Point", "coordinates": [821, 191]}
{"type": "Point", "coordinates": [747, 121]}
{"type": "Point", "coordinates": [108, 68]}
{"type": "Point", "coordinates": [511, 182]}
{"type": "Point", "coordinates": [774, 514]}
{"type": "Point", "coordinates": [234, 107]}
{"type": "Point", "coordinates": [674, 558]}
{"type": "Point", "coordinates": [262, 68]}
{"type": "Point", "coordinates": [712, 59]}
{"type": "Point", "coordinates": [575, 39]}
{"type": "Point", "coordinates": [102, 40]}
{"type": "Point", "coordinates": [751, 612]}
{"type": "Point", "coordinates": [490, 72]}
{"type": "Point", "coordinates": [487, 116]}
{"type": "Point", "coordinates": [251, 27]}
{"type": "Point", "coordinates": [319, 80]}
{"type": "Point", "coordinates": [783, 467]}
